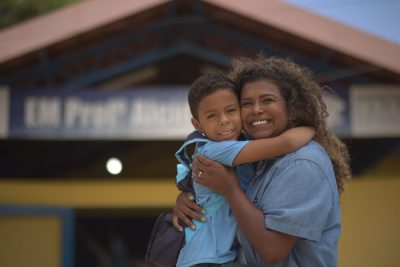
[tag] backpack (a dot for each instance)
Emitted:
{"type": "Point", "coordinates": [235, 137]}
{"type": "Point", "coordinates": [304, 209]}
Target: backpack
{"type": "Point", "coordinates": [165, 241]}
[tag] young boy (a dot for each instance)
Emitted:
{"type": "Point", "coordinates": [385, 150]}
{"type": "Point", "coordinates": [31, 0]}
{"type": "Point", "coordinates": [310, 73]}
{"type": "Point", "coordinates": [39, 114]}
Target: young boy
{"type": "Point", "coordinates": [216, 116]}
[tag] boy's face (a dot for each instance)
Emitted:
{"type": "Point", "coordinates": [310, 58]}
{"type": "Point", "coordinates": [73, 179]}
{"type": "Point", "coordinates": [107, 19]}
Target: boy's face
{"type": "Point", "coordinates": [219, 116]}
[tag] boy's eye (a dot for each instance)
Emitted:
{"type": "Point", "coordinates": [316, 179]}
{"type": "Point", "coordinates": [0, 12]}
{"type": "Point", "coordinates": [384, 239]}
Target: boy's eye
{"type": "Point", "coordinates": [210, 116]}
{"type": "Point", "coordinates": [231, 110]}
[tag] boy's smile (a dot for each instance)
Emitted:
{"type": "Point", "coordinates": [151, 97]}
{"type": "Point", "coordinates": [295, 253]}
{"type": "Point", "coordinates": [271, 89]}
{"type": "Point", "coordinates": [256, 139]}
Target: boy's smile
{"type": "Point", "coordinates": [219, 116]}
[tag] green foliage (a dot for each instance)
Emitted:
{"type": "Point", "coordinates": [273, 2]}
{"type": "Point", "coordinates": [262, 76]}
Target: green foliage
{"type": "Point", "coordinates": [14, 11]}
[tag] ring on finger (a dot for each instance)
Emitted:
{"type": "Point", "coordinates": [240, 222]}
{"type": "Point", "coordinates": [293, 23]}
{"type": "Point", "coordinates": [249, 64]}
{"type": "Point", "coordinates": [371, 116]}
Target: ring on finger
{"type": "Point", "coordinates": [199, 174]}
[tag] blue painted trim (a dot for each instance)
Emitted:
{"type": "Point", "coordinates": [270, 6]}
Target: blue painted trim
{"type": "Point", "coordinates": [51, 69]}
{"type": "Point", "coordinates": [68, 225]}
{"type": "Point", "coordinates": [149, 58]}
{"type": "Point", "coordinates": [68, 242]}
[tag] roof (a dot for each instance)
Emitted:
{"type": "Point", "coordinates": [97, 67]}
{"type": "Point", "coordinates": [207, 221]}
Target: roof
{"type": "Point", "coordinates": [320, 30]}
{"type": "Point", "coordinates": [68, 22]}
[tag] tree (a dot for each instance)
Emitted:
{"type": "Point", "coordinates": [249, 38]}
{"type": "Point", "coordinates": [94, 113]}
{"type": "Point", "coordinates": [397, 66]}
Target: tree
{"type": "Point", "coordinates": [14, 11]}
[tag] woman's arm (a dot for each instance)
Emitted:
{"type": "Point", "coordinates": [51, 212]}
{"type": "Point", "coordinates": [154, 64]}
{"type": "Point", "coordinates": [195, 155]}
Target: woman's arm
{"type": "Point", "coordinates": [273, 246]}
{"type": "Point", "coordinates": [289, 141]}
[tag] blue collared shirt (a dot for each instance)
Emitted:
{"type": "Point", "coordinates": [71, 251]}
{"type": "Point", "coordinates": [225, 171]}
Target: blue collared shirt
{"type": "Point", "coordinates": [214, 240]}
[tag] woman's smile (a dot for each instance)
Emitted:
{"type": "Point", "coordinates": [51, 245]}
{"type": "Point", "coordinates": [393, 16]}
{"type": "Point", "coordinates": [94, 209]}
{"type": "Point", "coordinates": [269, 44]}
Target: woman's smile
{"type": "Point", "coordinates": [260, 123]}
{"type": "Point", "coordinates": [263, 109]}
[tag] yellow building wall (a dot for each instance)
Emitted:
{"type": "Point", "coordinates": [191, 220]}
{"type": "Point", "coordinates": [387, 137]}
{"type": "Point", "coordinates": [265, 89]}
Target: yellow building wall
{"type": "Point", "coordinates": [371, 223]}
{"type": "Point", "coordinates": [370, 214]}
{"type": "Point", "coordinates": [30, 241]}
{"type": "Point", "coordinates": [148, 193]}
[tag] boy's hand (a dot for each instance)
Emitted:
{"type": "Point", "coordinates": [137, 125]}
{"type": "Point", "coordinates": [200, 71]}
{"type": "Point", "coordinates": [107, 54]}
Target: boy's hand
{"type": "Point", "coordinates": [185, 210]}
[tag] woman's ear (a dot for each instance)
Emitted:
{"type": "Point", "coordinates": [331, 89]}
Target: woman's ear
{"type": "Point", "coordinates": [196, 125]}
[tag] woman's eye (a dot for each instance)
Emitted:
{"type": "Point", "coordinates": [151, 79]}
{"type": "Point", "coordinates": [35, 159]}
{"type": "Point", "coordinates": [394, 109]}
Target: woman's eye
{"type": "Point", "coordinates": [267, 100]}
{"type": "Point", "coordinates": [246, 104]}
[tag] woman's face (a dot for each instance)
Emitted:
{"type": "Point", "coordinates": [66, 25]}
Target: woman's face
{"type": "Point", "coordinates": [263, 109]}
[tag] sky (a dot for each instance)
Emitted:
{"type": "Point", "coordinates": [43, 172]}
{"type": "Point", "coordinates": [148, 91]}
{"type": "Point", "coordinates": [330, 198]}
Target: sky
{"type": "Point", "coordinates": [378, 17]}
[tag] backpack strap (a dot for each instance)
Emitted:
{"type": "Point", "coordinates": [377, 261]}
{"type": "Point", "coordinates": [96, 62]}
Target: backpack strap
{"type": "Point", "coordinates": [184, 174]}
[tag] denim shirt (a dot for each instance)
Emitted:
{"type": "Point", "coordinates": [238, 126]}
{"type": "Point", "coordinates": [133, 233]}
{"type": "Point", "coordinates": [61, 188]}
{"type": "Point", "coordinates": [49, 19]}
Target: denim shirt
{"type": "Point", "coordinates": [298, 196]}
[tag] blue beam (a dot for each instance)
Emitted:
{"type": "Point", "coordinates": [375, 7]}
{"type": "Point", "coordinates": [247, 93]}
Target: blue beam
{"type": "Point", "coordinates": [149, 58]}
{"type": "Point", "coordinates": [49, 69]}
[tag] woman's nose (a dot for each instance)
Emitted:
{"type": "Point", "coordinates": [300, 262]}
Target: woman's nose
{"type": "Point", "coordinates": [257, 109]}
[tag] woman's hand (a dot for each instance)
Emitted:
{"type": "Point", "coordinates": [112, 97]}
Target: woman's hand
{"type": "Point", "coordinates": [214, 175]}
{"type": "Point", "coordinates": [185, 210]}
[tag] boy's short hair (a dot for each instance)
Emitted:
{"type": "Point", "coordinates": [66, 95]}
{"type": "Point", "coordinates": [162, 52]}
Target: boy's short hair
{"type": "Point", "coordinates": [206, 85]}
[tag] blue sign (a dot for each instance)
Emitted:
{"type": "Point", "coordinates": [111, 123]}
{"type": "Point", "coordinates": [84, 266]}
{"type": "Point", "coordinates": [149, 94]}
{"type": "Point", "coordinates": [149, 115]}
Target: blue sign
{"type": "Point", "coordinates": [147, 113]}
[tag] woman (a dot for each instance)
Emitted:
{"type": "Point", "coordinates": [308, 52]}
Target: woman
{"type": "Point", "coordinates": [290, 213]}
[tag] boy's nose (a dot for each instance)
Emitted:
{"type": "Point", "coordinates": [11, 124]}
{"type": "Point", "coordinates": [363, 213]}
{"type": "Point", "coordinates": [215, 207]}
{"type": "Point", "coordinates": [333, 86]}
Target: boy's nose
{"type": "Point", "coordinates": [223, 120]}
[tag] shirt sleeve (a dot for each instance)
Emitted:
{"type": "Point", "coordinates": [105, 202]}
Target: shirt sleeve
{"type": "Point", "coordinates": [298, 200]}
{"type": "Point", "coordinates": [224, 152]}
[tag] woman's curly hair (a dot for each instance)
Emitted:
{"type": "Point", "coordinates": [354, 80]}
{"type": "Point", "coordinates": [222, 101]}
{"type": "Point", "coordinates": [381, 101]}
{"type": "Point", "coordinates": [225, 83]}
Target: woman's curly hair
{"type": "Point", "coordinates": [304, 102]}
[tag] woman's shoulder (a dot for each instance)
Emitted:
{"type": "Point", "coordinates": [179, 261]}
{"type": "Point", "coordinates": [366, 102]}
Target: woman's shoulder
{"type": "Point", "coordinates": [312, 151]}
{"type": "Point", "coordinates": [312, 148]}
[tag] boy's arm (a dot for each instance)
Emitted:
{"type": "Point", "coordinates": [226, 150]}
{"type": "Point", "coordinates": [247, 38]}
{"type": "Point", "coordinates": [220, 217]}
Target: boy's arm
{"type": "Point", "coordinates": [287, 142]}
